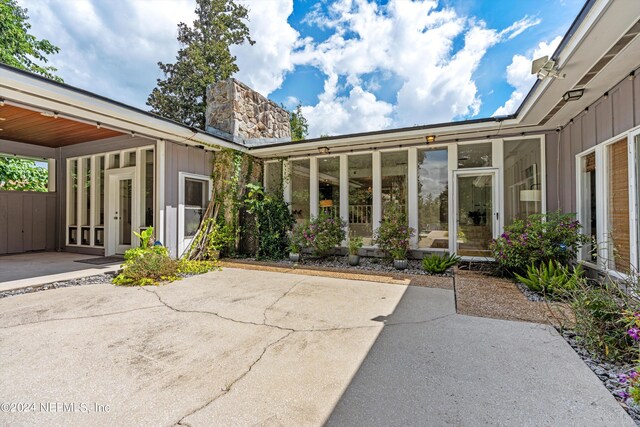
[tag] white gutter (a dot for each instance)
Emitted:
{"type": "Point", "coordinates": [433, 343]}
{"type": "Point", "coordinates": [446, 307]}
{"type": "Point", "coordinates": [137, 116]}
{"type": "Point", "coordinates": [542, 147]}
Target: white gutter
{"type": "Point", "coordinates": [19, 88]}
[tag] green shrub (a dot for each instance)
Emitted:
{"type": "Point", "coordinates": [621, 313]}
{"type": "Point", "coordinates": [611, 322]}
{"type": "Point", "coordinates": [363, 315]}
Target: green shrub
{"type": "Point", "coordinates": [273, 221]}
{"type": "Point", "coordinates": [323, 233]}
{"type": "Point", "coordinates": [148, 266]}
{"type": "Point", "coordinates": [537, 240]}
{"type": "Point", "coordinates": [600, 317]}
{"type": "Point", "coordinates": [436, 264]}
{"type": "Point", "coordinates": [189, 267]}
{"type": "Point", "coordinates": [552, 278]}
{"type": "Point", "coordinates": [220, 239]}
{"type": "Point", "coordinates": [355, 243]}
{"type": "Point", "coordinates": [393, 234]}
{"type": "Point", "coordinates": [297, 240]}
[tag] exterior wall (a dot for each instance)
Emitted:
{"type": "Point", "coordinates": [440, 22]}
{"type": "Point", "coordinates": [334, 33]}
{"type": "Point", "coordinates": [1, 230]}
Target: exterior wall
{"type": "Point", "coordinates": [27, 221]}
{"type": "Point", "coordinates": [180, 158]}
{"type": "Point", "coordinates": [604, 119]}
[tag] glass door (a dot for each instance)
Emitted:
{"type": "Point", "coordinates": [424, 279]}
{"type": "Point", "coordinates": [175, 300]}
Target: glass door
{"type": "Point", "coordinates": [476, 217]}
{"type": "Point", "coordinates": [121, 213]}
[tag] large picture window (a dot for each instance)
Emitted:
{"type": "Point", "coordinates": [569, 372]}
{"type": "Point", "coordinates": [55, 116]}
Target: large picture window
{"type": "Point", "coordinates": [522, 179]}
{"type": "Point", "coordinates": [300, 178]}
{"type": "Point", "coordinates": [619, 236]}
{"type": "Point", "coordinates": [193, 198]}
{"type": "Point", "coordinates": [433, 199]}
{"type": "Point", "coordinates": [588, 205]}
{"type": "Point", "coordinates": [273, 178]}
{"type": "Point", "coordinates": [329, 185]}
{"type": "Point", "coordinates": [360, 197]}
{"type": "Point", "coordinates": [394, 178]}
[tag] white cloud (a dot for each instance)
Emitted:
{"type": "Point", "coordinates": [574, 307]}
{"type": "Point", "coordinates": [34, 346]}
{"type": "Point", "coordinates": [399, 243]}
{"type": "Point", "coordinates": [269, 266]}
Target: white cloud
{"type": "Point", "coordinates": [291, 102]}
{"type": "Point", "coordinates": [519, 75]}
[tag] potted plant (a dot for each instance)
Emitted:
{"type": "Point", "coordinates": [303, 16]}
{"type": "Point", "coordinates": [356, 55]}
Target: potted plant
{"type": "Point", "coordinates": [393, 235]}
{"type": "Point", "coordinates": [296, 242]}
{"type": "Point", "coordinates": [355, 243]}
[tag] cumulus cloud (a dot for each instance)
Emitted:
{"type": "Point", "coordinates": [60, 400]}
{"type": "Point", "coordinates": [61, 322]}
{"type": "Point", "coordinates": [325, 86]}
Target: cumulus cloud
{"type": "Point", "coordinates": [519, 75]}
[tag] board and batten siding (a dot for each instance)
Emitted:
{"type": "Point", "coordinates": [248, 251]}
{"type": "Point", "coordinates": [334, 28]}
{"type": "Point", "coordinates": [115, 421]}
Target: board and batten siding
{"type": "Point", "coordinates": [27, 221]}
{"type": "Point", "coordinates": [604, 119]}
{"type": "Point", "coordinates": [180, 158]}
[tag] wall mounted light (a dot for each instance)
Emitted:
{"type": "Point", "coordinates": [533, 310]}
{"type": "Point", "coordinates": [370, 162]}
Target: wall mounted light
{"type": "Point", "coordinates": [49, 114]}
{"type": "Point", "coordinates": [573, 95]}
{"type": "Point", "coordinates": [323, 150]}
{"type": "Point", "coordinates": [632, 75]}
{"type": "Point", "coordinates": [430, 139]}
{"type": "Point", "coordinates": [98, 125]}
{"type": "Point", "coordinates": [1, 102]}
{"type": "Point", "coordinates": [606, 95]}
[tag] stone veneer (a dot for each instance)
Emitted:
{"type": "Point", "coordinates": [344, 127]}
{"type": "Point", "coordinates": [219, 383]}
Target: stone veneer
{"type": "Point", "coordinates": [236, 110]}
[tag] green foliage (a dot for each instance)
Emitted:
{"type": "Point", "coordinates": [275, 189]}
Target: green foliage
{"type": "Point", "coordinates": [273, 221]}
{"type": "Point", "coordinates": [393, 234]}
{"type": "Point", "coordinates": [219, 239]}
{"type": "Point", "coordinates": [323, 233]}
{"type": "Point", "coordinates": [299, 125]}
{"type": "Point", "coordinates": [20, 49]}
{"type": "Point", "coordinates": [600, 318]}
{"type": "Point", "coordinates": [297, 241]}
{"type": "Point", "coordinates": [145, 237]}
{"type": "Point", "coordinates": [436, 264]}
{"type": "Point", "coordinates": [552, 278]}
{"type": "Point", "coordinates": [355, 243]}
{"type": "Point", "coordinates": [191, 267]}
{"type": "Point", "coordinates": [148, 266]}
{"type": "Point", "coordinates": [22, 175]}
{"type": "Point", "coordinates": [204, 58]}
{"type": "Point", "coordinates": [537, 240]}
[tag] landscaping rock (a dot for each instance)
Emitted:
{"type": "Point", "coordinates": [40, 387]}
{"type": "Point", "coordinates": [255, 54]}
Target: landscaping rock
{"type": "Point", "coordinates": [91, 280]}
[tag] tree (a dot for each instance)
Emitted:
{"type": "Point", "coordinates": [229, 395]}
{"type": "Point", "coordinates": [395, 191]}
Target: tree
{"type": "Point", "coordinates": [22, 175]}
{"type": "Point", "coordinates": [204, 58]}
{"type": "Point", "coordinates": [20, 49]}
{"type": "Point", "coordinates": [299, 125]}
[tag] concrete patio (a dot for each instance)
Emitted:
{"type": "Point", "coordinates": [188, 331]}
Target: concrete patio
{"type": "Point", "coordinates": [38, 268]}
{"type": "Point", "coordinates": [239, 348]}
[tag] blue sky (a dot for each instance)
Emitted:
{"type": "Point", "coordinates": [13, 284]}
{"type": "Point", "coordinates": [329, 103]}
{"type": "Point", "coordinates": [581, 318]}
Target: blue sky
{"type": "Point", "coordinates": [354, 65]}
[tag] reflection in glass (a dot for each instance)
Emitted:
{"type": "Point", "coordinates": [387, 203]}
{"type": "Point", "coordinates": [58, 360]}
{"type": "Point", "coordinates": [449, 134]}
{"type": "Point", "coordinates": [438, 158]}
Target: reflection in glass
{"type": "Point", "coordinates": [300, 189]}
{"type": "Point", "coordinates": [522, 179]}
{"type": "Point", "coordinates": [475, 214]}
{"type": "Point", "coordinates": [433, 197]}
{"type": "Point", "coordinates": [100, 187]}
{"type": "Point", "coordinates": [147, 208]}
{"type": "Point", "coordinates": [73, 193]}
{"type": "Point", "coordinates": [124, 206]}
{"type": "Point", "coordinates": [588, 210]}
{"type": "Point", "coordinates": [360, 197]}
{"type": "Point", "coordinates": [86, 193]}
{"type": "Point", "coordinates": [273, 178]}
{"type": "Point", "coordinates": [394, 179]}
{"type": "Point", "coordinates": [329, 185]}
{"type": "Point", "coordinates": [474, 155]}
{"type": "Point", "coordinates": [194, 205]}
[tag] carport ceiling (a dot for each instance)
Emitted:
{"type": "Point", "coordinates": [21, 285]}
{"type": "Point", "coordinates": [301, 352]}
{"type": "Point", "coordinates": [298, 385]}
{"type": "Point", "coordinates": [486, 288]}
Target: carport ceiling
{"type": "Point", "coordinates": [32, 127]}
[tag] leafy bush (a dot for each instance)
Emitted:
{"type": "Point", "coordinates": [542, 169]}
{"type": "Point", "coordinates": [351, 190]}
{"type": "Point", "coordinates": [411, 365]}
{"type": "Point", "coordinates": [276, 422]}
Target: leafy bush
{"type": "Point", "coordinates": [600, 315]}
{"type": "Point", "coordinates": [436, 264]}
{"type": "Point", "coordinates": [355, 243]}
{"type": "Point", "coordinates": [536, 241]}
{"type": "Point", "coordinates": [191, 267]}
{"type": "Point", "coordinates": [221, 238]}
{"type": "Point", "coordinates": [273, 222]}
{"type": "Point", "coordinates": [297, 240]}
{"type": "Point", "coordinates": [147, 266]}
{"type": "Point", "coordinates": [393, 234]}
{"type": "Point", "coordinates": [552, 279]}
{"type": "Point", "coordinates": [323, 233]}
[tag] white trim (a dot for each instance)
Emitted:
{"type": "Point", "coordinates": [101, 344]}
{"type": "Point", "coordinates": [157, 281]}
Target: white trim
{"type": "Point", "coordinates": [602, 206]}
{"type": "Point", "coordinates": [634, 175]}
{"type": "Point", "coordinates": [286, 177]}
{"type": "Point", "coordinates": [452, 166]}
{"type": "Point", "coordinates": [159, 217]}
{"type": "Point", "coordinates": [376, 172]}
{"type": "Point", "coordinates": [184, 243]}
{"type": "Point", "coordinates": [344, 192]}
{"type": "Point", "coordinates": [412, 196]}
{"type": "Point", "coordinates": [497, 149]}
{"type": "Point", "coordinates": [313, 187]}
{"type": "Point", "coordinates": [111, 176]}
{"type": "Point", "coordinates": [51, 171]}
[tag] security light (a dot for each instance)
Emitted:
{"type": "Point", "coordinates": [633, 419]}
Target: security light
{"type": "Point", "coordinates": [573, 95]}
{"type": "Point", "coordinates": [430, 139]}
{"type": "Point", "coordinates": [323, 150]}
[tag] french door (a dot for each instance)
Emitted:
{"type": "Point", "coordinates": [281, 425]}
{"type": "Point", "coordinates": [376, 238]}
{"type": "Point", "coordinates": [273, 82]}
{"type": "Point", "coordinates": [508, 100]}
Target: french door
{"type": "Point", "coordinates": [121, 213]}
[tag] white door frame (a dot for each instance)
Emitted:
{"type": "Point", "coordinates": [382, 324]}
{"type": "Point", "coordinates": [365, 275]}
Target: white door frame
{"type": "Point", "coordinates": [184, 243]}
{"type": "Point", "coordinates": [111, 182]}
{"type": "Point", "coordinates": [496, 215]}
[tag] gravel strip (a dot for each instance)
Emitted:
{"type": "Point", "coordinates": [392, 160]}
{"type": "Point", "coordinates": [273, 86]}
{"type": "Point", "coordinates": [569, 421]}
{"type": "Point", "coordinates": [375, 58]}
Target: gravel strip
{"type": "Point", "coordinates": [529, 294]}
{"type": "Point", "coordinates": [90, 280]}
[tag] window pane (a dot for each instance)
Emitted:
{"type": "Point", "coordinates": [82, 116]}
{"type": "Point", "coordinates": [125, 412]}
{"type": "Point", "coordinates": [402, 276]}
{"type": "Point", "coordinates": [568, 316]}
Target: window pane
{"type": "Point", "coordinates": [329, 185]}
{"type": "Point", "coordinates": [522, 179]}
{"type": "Point", "coordinates": [73, 193]}
{"type": "Point", "coordinates": [433, 198]}
{"type": "Point", "coordinates": [300, 189]}
{"type": "Point", "coordinates": [192, 218]}
{"type": "Point", "coordinates": [637, 142]}
{"type": "Point", "coordinates": [474, 155]}
{"type": "Point", "coordinates": [147, 210]}
{"type": "Point", "coordinates": [394, 179]}
{"type": "Point", "coordinates": [100, 187]}
{"type": "Point", "coordinates": [273, 177]}
{"type": "Point", "coordinates": [86, 191]}
{"type": "Point", "coordinates": [619, 233]}
{"type": "Point", "coordinates": [193, 193]}
{"type": "Point", "coordinates": [360, 197]}
{"type": "Point", "coordinates": [588, 208]}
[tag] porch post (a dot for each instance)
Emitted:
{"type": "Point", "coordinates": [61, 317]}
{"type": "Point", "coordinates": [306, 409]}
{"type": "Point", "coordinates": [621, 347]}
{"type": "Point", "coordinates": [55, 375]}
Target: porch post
{"type": "Point", "coordinates": [412, 189]}
{"type": "Point", "coordinates": [159, 189]}
{"type": "Point", "coordinates": [377, 190]}
{"type": "Point", "coordinates": [313, 189]}
{"type": "Point", "coordinates": [344, 190]}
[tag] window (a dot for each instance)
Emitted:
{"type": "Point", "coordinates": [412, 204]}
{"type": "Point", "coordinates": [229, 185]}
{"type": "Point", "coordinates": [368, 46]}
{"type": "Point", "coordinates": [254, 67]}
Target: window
{"type": "Point", "coordinates": [146, 212]}
{"type": "Point", "coordinates": [394, 178]}
{"type": "Point", "coordinates": [619, 235]}
{"type": "Point", "coordinates": [588, 205]}
{"type": "Point", "coordinates": [273, 178]}
{"type": "Point", "coordinates": [522, 179]}
{"type": "Point", "coordinates": [433, 199]}
{"type": "Point", "coordinates": [361, 197]}
{"type": "Point", "coordinates": [194, 205]}
{"type": "Point", "coordinates": [329, 185]}
{"type": "Point", "coordinates": [300, 178]}
{"type": "Point", "coordinates": [475, 155]}
{"type": "Point", "coordinates": [23, 174]}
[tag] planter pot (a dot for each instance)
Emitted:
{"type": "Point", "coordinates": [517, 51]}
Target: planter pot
{"type": "Point", "coordinates": [354, 260]}
{"type": "Point", "coordinates": [293, 257]}
{"type": "Point", "coordinates": [400, 264]}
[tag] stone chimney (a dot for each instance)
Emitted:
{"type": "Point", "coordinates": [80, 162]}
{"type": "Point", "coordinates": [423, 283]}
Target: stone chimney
{"type": "Point", "coordinates": [237, 111]}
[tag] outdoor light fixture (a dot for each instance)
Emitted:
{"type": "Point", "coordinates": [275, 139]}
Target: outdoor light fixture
{"type": "Point", "coordinates": [323, 150]}
{"type": "Point", "coordinates": [573, 95]}
{"type": "Point", "coordinates": [606, 95]}
{"type": "Point", "coordinates": [133, 134]}
{"type": "Point", "coordinates": [1, 102]}
{"type": "Point", "coordinates": [430, 139]}
{"type": "Point", "coordinates": [49, 114]}
{"type": "Point", "coordinates": [98, 125]}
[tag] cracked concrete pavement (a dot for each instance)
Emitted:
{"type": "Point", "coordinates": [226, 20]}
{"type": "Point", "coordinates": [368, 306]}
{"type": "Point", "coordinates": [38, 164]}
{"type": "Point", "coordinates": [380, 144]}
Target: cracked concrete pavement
{"type": "Point", "coordinates": [241, 347]}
